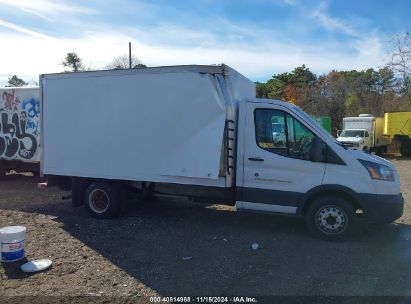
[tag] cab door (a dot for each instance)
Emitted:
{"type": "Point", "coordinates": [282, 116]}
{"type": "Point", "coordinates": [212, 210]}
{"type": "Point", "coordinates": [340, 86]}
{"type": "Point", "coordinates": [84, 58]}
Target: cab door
{"type": "Point", "coordinates": [277, 168]}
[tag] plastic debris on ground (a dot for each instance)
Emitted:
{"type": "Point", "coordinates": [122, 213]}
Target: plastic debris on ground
{"type": "Point", "coordinates": [187, 258]}
{"type": "Point", "coordinates": [36, 266]}
{"type": "Point", "coordinates": [255, 246]}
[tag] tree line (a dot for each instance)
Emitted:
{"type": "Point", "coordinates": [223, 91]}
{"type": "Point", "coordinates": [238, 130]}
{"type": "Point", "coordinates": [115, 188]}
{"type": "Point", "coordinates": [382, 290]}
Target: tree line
{"type": "Point", "coordinates": [339, 93]}
{"type": "Point", "coordinates": [348, 93]}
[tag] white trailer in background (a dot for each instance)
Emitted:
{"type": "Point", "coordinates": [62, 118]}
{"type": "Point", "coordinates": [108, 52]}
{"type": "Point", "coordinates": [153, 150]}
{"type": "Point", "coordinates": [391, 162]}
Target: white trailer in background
{"type": "Point", "coordinates": [19, 129]}
{"type": "Point", "coordinates": [199, 132]}
{"type": "Point", "coordinates": [364, 132]}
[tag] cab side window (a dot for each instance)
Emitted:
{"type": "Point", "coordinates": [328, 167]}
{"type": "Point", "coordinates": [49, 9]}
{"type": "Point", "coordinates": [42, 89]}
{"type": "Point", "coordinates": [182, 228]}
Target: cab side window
{"type": "Point", "coordinates": [270, 131]}
{"type": "Point", "coordinates": [280, 133]}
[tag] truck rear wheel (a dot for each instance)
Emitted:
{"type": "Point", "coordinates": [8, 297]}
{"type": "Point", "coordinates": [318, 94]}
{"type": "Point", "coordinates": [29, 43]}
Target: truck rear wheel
{"type": "Point", "coordinates": [103, 200]}
{"type": "Point", "coordinates": [331, 218]}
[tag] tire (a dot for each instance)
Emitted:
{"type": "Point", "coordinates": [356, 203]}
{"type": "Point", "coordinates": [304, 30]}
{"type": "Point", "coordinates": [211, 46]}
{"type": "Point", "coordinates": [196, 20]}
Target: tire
{"type": "Point", "coordinates": [378, 150]}
{"type": "Point", "coordinates": [331, 218]}
{"type": "Point", "coordinates": [405, 148]}
{"type": "Point", "coordinates": [103, 200]}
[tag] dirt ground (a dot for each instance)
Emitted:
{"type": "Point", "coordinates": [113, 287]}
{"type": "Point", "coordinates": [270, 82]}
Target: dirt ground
{"type": "Point", "coordinates": [177, 248]}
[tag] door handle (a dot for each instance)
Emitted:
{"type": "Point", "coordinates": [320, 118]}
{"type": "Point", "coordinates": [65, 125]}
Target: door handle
{"type": "Point", "coordinates": [256, 159]}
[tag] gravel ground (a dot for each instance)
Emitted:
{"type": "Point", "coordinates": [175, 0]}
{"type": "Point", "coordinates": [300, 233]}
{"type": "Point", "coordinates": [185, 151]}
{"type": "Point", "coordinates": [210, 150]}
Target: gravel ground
{"type": "Point", "coordinates": [175, 248]}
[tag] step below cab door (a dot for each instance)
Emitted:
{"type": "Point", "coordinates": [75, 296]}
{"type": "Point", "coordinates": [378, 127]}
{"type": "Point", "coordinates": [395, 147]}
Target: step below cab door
{"type": "Point", "coordinates": [282, 159]}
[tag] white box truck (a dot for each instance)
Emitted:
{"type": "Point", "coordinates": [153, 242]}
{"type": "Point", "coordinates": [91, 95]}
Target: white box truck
{"type": "Point", "coordinates": [364, 132]}
{"type": "Point", "coordinates": [199, 132]}
{"type": "Point", "coordinates": [19, 130]}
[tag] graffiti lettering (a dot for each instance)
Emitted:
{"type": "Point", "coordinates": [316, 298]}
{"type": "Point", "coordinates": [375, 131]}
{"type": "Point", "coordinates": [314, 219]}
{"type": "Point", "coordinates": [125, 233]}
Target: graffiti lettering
{"type": "Point", "coordinates": [32, 106]}
{"type": "Point", "coordinates": [10, 103]}
{"type": "Point", "coordinates": [13, 137]}
{"type": "Point", "coordinates": [18, 127]}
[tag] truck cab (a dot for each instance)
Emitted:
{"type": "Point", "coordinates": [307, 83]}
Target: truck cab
{"type": "Point", "coordinates": [355, 138]}
{"type": "Point", "coordinates": [310, 174]}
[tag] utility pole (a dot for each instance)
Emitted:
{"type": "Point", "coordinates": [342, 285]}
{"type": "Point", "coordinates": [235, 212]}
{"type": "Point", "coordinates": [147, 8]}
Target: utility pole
{"type": "Point", "coordinates": [129, 54]}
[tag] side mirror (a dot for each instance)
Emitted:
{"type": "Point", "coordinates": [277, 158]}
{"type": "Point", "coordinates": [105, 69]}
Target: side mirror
{"type": "Point", "coordinates": [318, 150]}
{"type": "Point", "coordinates": [339, 133]}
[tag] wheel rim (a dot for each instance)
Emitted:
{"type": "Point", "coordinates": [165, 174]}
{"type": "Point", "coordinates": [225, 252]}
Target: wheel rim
{"type": "Point", "coordinates": [99, 201]}
{"type": "Point", "coordinates": [331, 220]}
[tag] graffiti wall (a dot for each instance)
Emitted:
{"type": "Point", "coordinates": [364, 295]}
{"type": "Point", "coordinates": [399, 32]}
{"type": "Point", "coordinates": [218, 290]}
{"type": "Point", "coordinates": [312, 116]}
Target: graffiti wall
{"type": "Point", "coordinates": [20, 124]}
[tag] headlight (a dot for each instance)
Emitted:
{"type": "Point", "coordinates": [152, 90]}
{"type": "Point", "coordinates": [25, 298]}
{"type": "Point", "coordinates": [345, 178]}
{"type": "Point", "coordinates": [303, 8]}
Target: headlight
{"type": "Point", "coordinates": [378, 171]}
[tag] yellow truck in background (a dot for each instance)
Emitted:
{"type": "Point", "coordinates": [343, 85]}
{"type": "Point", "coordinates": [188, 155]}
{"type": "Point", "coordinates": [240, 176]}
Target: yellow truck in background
{"type": "Point", "coordinates": [397, 125]}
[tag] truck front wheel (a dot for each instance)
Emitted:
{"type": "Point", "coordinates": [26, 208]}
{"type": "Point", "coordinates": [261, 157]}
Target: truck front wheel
{"type": "Point", "coordinates": [103, 200]}
{"type": "Point", "coordinates": [331, 218]}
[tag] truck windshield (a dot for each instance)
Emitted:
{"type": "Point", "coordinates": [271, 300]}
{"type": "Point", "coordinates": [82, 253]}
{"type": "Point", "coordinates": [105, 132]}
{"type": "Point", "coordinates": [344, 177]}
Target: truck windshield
{"type": "Point", "coordinates": [314, 122]}
{"type": "Point", "coordinates": [352, 133]}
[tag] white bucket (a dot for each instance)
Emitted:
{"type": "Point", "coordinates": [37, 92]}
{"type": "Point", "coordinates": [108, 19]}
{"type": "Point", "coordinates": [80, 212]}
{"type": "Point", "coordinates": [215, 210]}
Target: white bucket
{"type": "Point", "coordinates": [12, 241]}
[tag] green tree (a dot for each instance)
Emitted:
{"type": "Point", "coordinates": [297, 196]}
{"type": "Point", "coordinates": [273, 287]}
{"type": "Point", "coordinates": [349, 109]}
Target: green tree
{"type": "Point", "coordinates": [276, 88]}
{"type": "Point", "coordinates": [73, 61]}
{"type": "Point", "coordinates": [291, 86]}
{"type": "Point", "coordinates": [301, 77]}
{"type": "Point", "coordinates": [385, 81]}
{"type": "Point", "coordinates": [261, 89]}
{"type": "Point", "coordinates": [15, 81]}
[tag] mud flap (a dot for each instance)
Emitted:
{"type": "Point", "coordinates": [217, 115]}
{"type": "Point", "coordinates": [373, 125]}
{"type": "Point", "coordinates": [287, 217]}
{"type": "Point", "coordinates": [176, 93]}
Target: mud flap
{"type": "Point", "coordinates": [78, 187]}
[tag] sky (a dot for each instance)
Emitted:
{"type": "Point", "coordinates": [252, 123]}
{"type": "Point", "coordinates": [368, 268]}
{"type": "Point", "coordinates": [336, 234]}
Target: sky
{"type": "Point", "coordinates": [258, 38]}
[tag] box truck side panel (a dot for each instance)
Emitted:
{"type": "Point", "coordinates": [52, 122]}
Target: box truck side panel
{"type": "Point", "coordinates": [145, 126]}
{"type": "Point", "coordinates": [323, 121]}
{"type": "Point", "coordinates": [358, 123]}
{"type": "Point", "coordinates": [397, 123]}
{"type": "Point", "coordinates": [239, 86]}
{"type": "Point", "coordinates": [20, 124]}
{"type": "Point", "coordinates": [380, 139]}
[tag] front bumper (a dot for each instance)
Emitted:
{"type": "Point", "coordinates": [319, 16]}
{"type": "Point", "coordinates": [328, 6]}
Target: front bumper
{"type": "Point", "coordinates": [351, 145]}
{"type": "Point", "coordinates": [382, 209]}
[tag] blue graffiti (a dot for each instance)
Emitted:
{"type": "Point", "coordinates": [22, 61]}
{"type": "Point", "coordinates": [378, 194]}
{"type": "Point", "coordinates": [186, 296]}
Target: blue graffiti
{"type": "Point", "coordinates": [33, 107]}
{"type": "Point", "coordinates": [34, 126]}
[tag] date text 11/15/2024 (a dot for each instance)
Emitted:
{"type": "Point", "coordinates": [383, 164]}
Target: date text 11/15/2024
{"type": "Point", "coordinates": [203, 300]}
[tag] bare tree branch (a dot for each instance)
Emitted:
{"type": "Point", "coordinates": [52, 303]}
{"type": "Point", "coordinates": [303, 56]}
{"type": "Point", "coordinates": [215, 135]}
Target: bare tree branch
{"type": "Point", "coordinates": [122, 62]}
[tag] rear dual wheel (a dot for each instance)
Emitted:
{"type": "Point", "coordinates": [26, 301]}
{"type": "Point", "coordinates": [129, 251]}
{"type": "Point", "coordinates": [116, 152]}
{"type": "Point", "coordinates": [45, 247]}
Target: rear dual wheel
{"type": "Point", "coordinates": [103, 200]}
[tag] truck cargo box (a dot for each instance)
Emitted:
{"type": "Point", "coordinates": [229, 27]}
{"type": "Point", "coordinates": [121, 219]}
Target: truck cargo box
{"type": "Point", "coordinates": [398, 127]}
{"type": "Point", "coordinates": [161, 124]}
{"type": "Point", "coordinates": [397, 123]}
